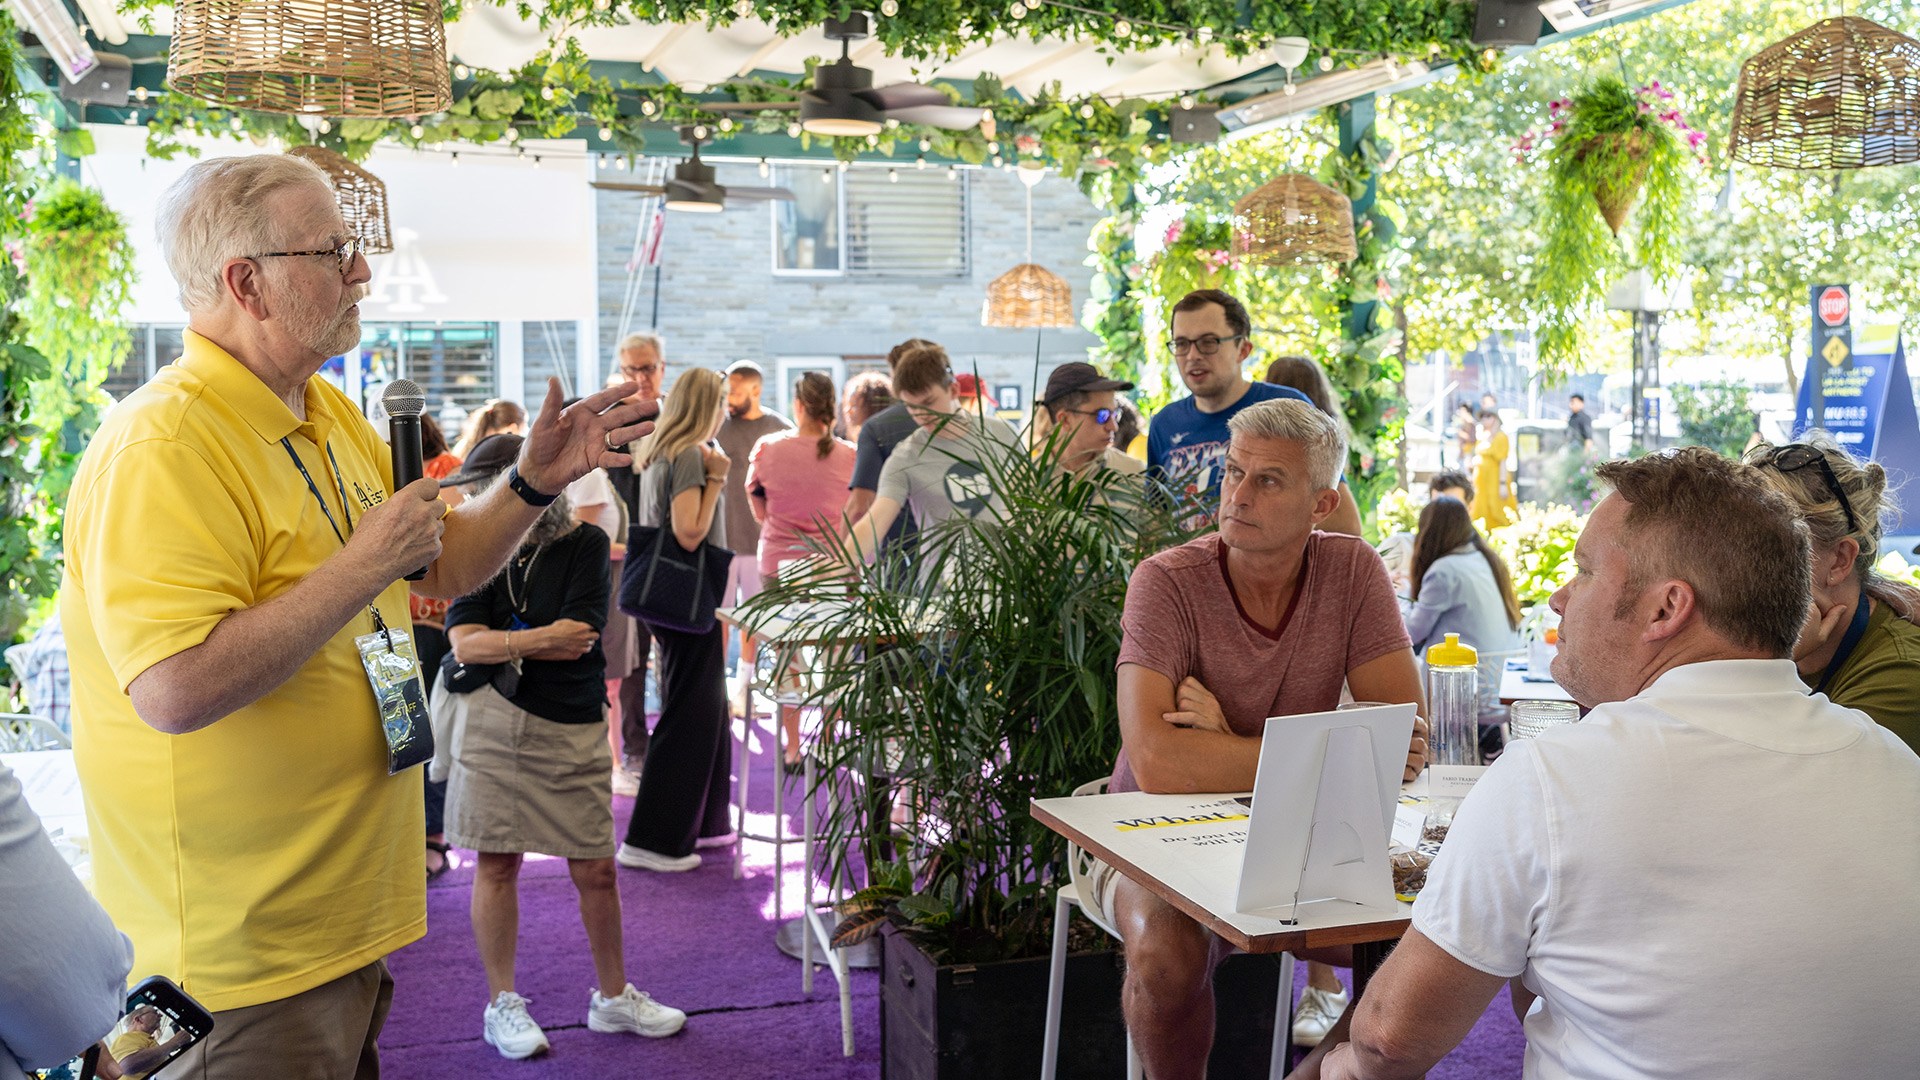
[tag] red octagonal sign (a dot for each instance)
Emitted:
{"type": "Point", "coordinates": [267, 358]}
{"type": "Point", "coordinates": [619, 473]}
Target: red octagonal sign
{"type": "Point", "coordinates": [1833, 305]}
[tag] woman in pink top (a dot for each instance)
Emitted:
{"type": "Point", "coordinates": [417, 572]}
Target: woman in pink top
{"type": "Point", "coordinates": [797, 482]}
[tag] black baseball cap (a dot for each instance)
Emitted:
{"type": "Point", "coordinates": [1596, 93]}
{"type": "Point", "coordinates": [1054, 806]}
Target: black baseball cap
{"type": "Point", "coordinates": [1079, 377]}
{"type": "Point", "coordinates": [489, 457]}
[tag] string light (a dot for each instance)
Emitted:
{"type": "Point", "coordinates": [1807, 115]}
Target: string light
{"type": "Point", "coordinates": [546, 93]}
{"type": "Point", "coordinates": [953, 172]}
{"type": "Point", "coordinates": [998, 161]}
{"type": "Point", "coordinates": [892, 123]}
{"type": "Point", "coordinates": [889, 8]}
{"type": "Point", "coordinates": [513, 134]}
{"type": "Point", "coordinates": [647, 107]}
{"type": "Point", "coordinates": [826, 176]}
{"type": "Point", "coordinates": [602, 5]}
{"type": "Point", "coordinates": [139, 93]}
{"type": "Point", "coordinates": [726, 123]}
{"type": "Point", "coordinates": [1186, 101]}
{"type": "Point", "coordinates": [1018, 11]}
{"type": "Point", "coordinates": [893, 176]}
{"type": "Point", "coordinates": [235, 124]}
{"type": "Point", "coordinates": [601, 160]}
{"type": "Point", "coordinates": [1491, 55]}
{"type": "Point", "coordinates": [793, 130]}
{"type": "Point", "coordinates": [536, 161]}
{"type": "Point", "coordinates": [765, 169]}
{"type": "Point", "coordinates": [460, 71]}
{"type": "Point", "coordinates": [1122, 29]}
{"type": "Point", "coordinates": [919, 163]}
{"type": "Point", "coordinates": [606, 134]}
{"type": "Point", "coordinates": [926, 145]}
{"type": "Point", "coordinates": [1326, 61]}
{"type": "Point", "coordinates": [700, 132]}
{"type": "Point", "coordinates": [456, 159]}
{"type": "Point", "coordinates": [619, 164]}
{"type": "Point", "coordinates": [743, 8]}
{"type": "Point", "coordinates": [1086, 111]}
{"type": "Point", "coordinates": [873, 140]}
{"type": "Point", "coordinates": [845, 165]}
{"type": "Point", "coordinates": [326, 126]}
{"type": "Point", "coordinates": [522, 153]}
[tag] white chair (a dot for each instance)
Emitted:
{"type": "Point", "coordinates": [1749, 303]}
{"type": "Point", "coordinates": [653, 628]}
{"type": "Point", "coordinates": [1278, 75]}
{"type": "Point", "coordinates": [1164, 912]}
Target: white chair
{"type": "Point", "coordinates": [20, 733]}
{"type": "Point", "coordinates": [1068, 896]}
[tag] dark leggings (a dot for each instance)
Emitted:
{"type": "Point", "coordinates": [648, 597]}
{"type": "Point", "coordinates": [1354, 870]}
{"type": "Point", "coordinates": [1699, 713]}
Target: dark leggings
{"type": "Point", "coordinates": [430, 645]}
{"type": "Point", "coordinates": [684, 789]}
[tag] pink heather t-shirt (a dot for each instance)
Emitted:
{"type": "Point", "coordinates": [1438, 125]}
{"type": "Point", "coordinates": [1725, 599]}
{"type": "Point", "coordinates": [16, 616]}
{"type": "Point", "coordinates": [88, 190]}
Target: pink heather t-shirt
{"type": "Point", "coordinates": [804, 493]}
{"type": "Point", "coordinates": [1182, 619]}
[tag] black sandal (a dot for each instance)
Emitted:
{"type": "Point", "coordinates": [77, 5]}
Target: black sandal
{"type": "Point", "coordinates": [446, 859]}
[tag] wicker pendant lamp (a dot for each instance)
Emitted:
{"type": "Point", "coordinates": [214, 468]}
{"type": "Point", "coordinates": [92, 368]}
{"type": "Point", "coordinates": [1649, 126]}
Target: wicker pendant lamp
{"type": "Point", "coordinates": [362, 195]}
{"type": "Point", "coordinates": [1842, 94]}
{"type": "Point", "coordinates": [1029, 296]}
{"type": "Point", "coordinates": [1294, 219]}
{"type": "Point", "coordinates": [323, 57]}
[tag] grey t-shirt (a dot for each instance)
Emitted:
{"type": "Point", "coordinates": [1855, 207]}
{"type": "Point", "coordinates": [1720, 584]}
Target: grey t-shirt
{"type": "Point", "coordinates": [879, 436]}
{"type": "Point", "coordinates": [941, 478]}
{"type": "Point", "coordinates": [660, 481]}
{"type": "Point", "coordinates": [736, 440]}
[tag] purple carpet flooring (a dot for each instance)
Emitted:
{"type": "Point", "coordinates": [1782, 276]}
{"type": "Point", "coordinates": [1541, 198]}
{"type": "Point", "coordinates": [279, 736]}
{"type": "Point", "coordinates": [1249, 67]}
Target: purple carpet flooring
{"type": "Point", "coordinates": [702, 942]}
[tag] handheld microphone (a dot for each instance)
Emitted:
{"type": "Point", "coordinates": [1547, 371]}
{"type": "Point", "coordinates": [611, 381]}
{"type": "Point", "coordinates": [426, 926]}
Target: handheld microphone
{"type": "Point", "coordinates": [404, 401]}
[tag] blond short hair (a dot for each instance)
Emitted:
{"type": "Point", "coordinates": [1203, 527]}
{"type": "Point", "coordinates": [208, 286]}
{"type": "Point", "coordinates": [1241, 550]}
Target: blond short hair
{"type": "Point", "coordinates": [637, 341]}
{"type": "Point", "coordinates": [1297, 421]}
{"type": "Point", "coordinates": [223, 209]}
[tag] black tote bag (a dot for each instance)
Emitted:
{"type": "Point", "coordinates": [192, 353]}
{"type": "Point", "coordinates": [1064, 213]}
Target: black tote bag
{"type": "Point", "coordinates": [668, 586]}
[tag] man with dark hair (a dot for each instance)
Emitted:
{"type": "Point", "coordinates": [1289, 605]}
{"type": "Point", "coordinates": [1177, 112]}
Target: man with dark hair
{"type": "Point", "coordinates": [1579, 424]}
{"type": "Point", "coordinates": [1452, 483]}
{"type": "Point", "coordinates": [1212, 339]}
{"type": "Point", "coordinates": [747, 423]}
{"type": "Point", "coordinates": [1607, 868]}
{"type": "Point", "coordinates": [878, 436]}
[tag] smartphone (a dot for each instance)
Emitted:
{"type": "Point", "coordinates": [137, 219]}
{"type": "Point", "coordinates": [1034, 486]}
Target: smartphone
{"type": "Point", "coordinates": [160, 1023]}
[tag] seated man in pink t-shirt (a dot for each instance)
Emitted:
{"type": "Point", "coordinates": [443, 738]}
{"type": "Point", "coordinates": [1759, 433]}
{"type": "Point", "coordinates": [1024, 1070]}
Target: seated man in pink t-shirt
{"type": "Point", "coordinates": [1267, 617]}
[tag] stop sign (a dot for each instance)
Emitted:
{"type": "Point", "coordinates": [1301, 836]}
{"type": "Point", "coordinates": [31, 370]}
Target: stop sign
{"type": "Point", "coordinates": [1833, 305]}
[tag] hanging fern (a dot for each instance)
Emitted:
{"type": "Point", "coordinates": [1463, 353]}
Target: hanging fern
{"type": "Point", "coordinates": [1609, 147]}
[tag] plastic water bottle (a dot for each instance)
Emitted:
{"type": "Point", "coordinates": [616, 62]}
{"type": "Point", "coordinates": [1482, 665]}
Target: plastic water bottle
{"type": "Point", "coordinates": [1453, 702]}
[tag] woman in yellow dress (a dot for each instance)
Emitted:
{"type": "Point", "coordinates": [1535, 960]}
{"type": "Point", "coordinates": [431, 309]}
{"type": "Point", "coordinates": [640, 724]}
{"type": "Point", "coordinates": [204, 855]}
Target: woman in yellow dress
{"type": "Point", "coordinates": [1494, 504]}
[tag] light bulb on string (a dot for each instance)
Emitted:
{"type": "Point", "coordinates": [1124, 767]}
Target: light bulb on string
{"type": "Point", "coordinates": [919, 163]}
{"type": "Point", "coordinates": [953, 172]}
{"type": "Point", "coordinates": [456, 159]}
{"type": "Point", "coordinates": [620, 164]}
{"type": "Point", "coordinates": [998, 161]}
{"type": "Point", "coordinates": [1186, 101]}
{"type": "Point", "coordinates": [601, 160]}
{"type": "Point", "coordinates": [893, 176]}
{"type": "Point", "coordinates": [513, 134]}
{"type": "Point", "coordinates": [1018, 11]}
{"type": "Point", "coordinates": [326, 126]}
{"type": "Point", "coordinates": [926, 145]}
{"type": "Point", "coordinates": [606, 134]}
{"type": "Point", "coordinates": [892, 123]}
{"type": "Point", "coordinates": [793, 130]}
{"type": "Point", "coordinates": [993, 147]}
{"type": "Point", "coordinates": [765, 168]}
{"type": "Point", "coordinates": [1122, 29]}
{"type": "Point", "coordinates": [873, 140]}
{"type": "Point", "coordinates": [845, 165]}
{"type": "Point", "coordinates": [726, 123]}
{"type": "Point", "coordinates": [536, 161]}
{"type": "Point", "coordinates": [700, 132]}
{"type": "Point", "coordinates": [647, 107]}
{"type": "Point", "coordinates": [522, 153]}
{"type": "Point", "coordinates": [461, 71]}
{"type": "Point", "coordinates": [826, 176]}
{"type": "Point", "coordinates": [1326, 61]}
{"type": "Point", "coordinates": [417, 131]}
{"type": "Point", "coordinates": [546, 93]}
{"type": "Point", "coordinates": [889, 8]}
{"type": "Point", "coordinates": [1086, 110]}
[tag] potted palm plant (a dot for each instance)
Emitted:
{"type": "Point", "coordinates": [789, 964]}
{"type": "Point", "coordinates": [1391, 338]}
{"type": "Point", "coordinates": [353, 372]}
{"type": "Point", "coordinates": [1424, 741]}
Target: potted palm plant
{"type": "Point", "coordinates": [963, 690]}
{"type": "Point", "coordinates": [1613, 157]}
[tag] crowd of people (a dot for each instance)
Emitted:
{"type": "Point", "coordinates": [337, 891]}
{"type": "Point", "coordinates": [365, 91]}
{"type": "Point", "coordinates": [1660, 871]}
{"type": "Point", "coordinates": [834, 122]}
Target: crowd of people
{"type": "Point", "coordinates": [235, 564]}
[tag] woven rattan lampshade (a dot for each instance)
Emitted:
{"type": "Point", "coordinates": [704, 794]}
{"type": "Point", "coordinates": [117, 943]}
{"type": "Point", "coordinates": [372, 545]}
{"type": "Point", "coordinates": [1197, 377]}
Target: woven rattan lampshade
{"type": "Point", "coordinates": [324, 57]}
{"type": "Point", "coordinates": [1029, 296]}
{"type": "Point", "coordinates": [362, 195]}
{"type": "Point", "coordinates": [1294, 219]}
{"type": "Point", "coordinates": [1842, 94]}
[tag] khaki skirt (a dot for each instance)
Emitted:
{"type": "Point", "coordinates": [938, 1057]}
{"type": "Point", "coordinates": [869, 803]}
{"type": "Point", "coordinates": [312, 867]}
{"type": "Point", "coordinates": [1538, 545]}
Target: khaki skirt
{"type": "Point", "coordinates": [520, 783]}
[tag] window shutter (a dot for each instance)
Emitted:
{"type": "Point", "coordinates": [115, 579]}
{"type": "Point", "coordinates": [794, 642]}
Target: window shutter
{"type": "Point", "coordinates": [914, 227]}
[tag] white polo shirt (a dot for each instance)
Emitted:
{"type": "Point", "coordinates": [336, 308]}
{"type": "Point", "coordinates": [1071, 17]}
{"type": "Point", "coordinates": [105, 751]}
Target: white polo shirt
{"type": "Point", "coordinates": [1719, 877]}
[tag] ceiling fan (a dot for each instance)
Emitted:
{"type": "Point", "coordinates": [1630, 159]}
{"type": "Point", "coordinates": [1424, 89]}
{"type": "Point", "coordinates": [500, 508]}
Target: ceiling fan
{"type": "Point", "coordinates": [844, 101]}
{"type": "Point", "coordinates": [692, 187]}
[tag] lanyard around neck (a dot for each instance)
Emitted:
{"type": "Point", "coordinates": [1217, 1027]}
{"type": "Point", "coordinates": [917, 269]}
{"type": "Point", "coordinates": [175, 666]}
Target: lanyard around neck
{"type": "Point", "coordinates": [339, 484]}
{"type": "Point", "coordinates": [346, 507]}
{"type": "Point", "coordinates": [1855, 631]}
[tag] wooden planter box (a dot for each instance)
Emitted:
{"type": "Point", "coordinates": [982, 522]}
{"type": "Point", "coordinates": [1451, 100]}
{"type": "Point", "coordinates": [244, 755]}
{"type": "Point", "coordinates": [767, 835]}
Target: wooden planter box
{"type": "Point", "coordinates": [972, 1021]}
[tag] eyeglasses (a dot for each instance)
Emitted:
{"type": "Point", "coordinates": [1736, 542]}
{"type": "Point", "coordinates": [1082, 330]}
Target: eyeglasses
{"type": "Point", "coordinates": [636, 372]}
{"type": "Point", "coordinates": [1206, 344]}
{"type": "Point", "coordinates": [345, 253]}
{"type": "Point", "coordinates": [1100, 416]}
{"type": "Point", "coordinates": [1796, 456]}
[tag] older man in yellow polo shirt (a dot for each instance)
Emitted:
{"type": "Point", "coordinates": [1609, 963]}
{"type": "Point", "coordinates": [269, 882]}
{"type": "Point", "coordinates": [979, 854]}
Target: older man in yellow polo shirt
{"type": "Point", "coordinates": [232, 530]}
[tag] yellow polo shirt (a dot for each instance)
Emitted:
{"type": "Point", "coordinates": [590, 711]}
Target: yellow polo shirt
{"type": "Point", "coordinates": [270, 852]}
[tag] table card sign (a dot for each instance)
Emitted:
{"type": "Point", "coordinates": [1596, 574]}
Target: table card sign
{"type": "Point", "coordinates": [1323, 806]}
{"type": "Point", "coordinates": [1452, 781]}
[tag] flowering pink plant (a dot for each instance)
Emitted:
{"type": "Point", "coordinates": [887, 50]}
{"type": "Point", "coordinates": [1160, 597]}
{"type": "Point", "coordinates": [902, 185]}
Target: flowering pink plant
{"type": "Point", "coordinates": [1653, 100]}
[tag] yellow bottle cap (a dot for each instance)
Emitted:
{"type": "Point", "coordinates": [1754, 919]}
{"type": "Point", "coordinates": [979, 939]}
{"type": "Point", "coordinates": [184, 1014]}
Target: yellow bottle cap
{"type": "Point", "coordinates": [1450, 653]}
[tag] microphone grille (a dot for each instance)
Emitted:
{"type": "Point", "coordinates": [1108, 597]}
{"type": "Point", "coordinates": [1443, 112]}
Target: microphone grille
{"type": "Point", "coordinates": [403, 397]}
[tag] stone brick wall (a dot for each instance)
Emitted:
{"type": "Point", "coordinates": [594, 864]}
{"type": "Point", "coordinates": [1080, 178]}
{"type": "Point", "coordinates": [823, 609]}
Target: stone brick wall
{"type": "Point", "coordinates": [720, 300]}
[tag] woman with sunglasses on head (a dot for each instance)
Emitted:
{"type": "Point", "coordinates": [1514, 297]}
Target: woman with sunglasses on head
{"type": "Point", "coordinates": [1861, 645]}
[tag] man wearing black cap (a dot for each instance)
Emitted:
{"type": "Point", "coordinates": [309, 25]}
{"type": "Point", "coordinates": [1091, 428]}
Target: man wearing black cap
{"type": "Point", "coordinates": [1080, 405]}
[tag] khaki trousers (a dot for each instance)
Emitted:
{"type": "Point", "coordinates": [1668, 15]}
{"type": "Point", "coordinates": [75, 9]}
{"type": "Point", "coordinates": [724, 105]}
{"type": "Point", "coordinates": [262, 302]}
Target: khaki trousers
{"type": "Point", "coordinates": [326, 1033]}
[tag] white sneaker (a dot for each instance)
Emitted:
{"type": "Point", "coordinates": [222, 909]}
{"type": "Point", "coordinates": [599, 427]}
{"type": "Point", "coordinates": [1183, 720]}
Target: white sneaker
{"type": "Point", "coordinates": [1319, 1010]}
{"type": "Point", "coordinates": [641, 859]}
{"type": "Point", "coordinates": [634, 1011]}
{"type": "Point", "coordinates": [510, 1030]}
{"type": "Point", "coordinates": [625, 782]}
{"type": "Point", "coordinates": [723, 840]}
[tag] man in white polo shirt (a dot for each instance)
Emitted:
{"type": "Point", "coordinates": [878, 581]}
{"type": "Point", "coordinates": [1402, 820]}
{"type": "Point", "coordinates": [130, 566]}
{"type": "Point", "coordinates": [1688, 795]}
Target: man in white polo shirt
{"type": "Point", "coordinates": [1712, 875]}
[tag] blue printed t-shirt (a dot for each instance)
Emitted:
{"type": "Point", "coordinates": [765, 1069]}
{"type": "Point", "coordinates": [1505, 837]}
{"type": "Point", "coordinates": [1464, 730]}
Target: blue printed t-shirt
{"type": "Point", "coordinates": [1186, 446]}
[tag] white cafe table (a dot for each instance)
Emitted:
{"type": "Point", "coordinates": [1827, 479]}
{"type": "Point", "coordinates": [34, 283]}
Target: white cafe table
{"type": "Point", "coordinates": [51, 785]}
{"type": "Point", "coordinates": [1204, 888]}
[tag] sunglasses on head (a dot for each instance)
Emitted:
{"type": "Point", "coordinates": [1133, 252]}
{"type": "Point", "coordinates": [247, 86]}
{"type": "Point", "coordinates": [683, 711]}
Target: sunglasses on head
{"type": "Point", "coordinates": [1796, 456]}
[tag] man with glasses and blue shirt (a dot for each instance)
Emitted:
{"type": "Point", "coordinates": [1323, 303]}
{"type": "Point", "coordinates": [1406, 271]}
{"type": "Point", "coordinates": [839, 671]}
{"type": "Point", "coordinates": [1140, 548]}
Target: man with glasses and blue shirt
{"type": "Point", "coordinates": [235, 548]}
{"type": "Point", "coordinates": [1187, 440]}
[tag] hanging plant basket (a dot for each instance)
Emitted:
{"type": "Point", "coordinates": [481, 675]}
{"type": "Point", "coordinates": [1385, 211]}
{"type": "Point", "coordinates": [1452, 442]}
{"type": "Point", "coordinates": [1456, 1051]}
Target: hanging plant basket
{"type": "Point", "coordinates": [77, 256]}
{"type": "Point", "coordinates": [1623, 165]}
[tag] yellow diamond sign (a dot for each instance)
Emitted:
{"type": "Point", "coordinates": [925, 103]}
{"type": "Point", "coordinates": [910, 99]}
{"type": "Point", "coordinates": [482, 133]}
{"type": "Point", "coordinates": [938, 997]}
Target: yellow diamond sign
{"type": "Point", "coordinates": [1835, 352]}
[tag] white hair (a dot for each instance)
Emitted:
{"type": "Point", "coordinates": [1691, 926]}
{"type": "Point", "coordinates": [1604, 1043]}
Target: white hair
{"type": "Point", "coordinates": [1297, 421]}
{"type": "Point", "coordinates": [638, 341]}
{"type": "Point", "coordinates": [224, 209]}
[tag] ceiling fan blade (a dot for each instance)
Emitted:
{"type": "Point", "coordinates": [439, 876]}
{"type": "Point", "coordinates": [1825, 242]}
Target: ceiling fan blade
{"type": "Point", "coordinates": [905, 96]}
{"type": "Point", "coordinates": [759, 194]}
{"type": "Point", "coordinates": [615, 185]}
{"type": "Point", "coordinates": [951, 117]}
{"type": "Point", "coordinates": [746, 106]}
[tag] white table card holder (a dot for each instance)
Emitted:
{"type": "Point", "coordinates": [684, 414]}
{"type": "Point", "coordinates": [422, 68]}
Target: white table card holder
{"type": "Point", "coordinates": [1320, 824]}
